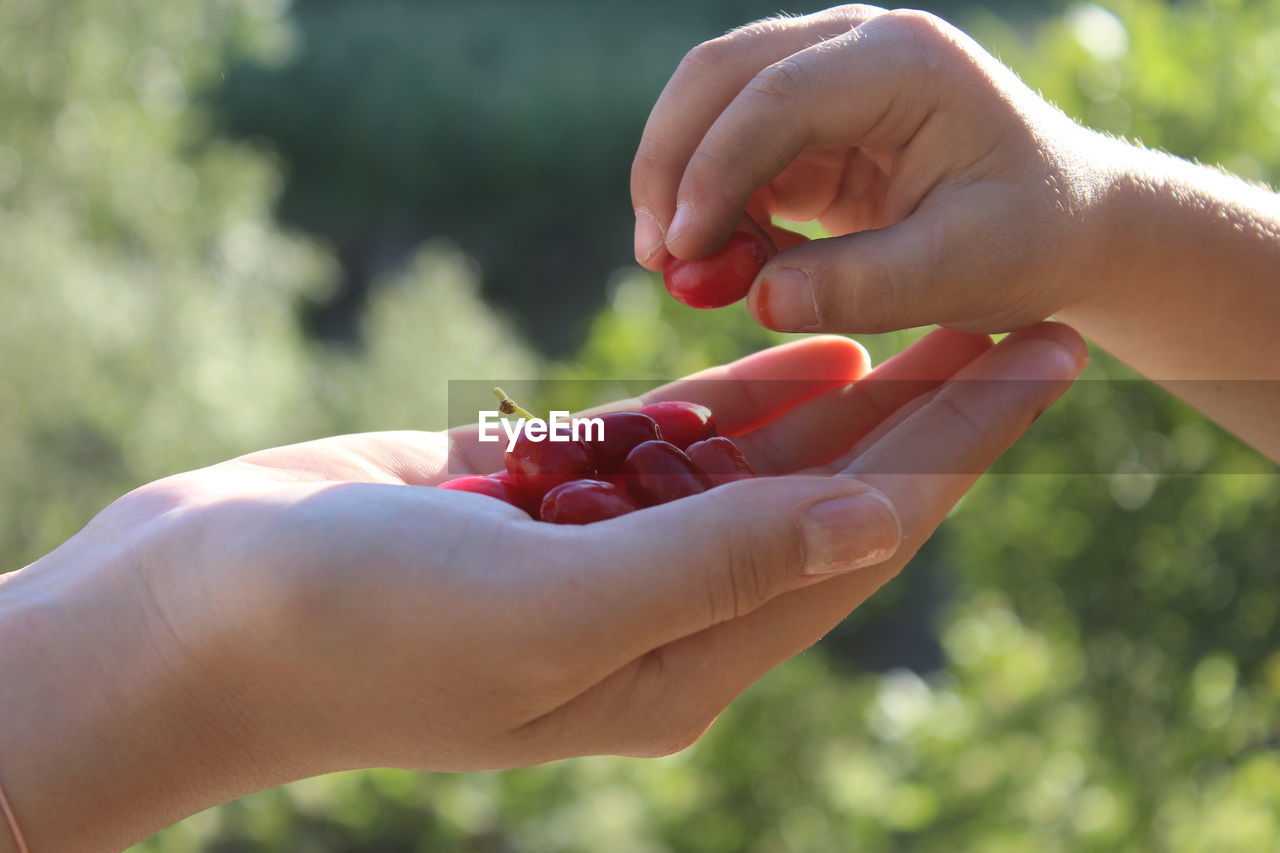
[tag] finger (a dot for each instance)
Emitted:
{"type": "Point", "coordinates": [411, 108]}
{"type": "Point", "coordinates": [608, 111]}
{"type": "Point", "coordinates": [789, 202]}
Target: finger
{"type": "Point", "coordinates": [822, 429]}
{"type": "Point", "coordinates": [873, 86]}
{"type": "Point", "coordinates": [932, 267]}
{"type": "Point", "coordinates": [686, 683]}
{"type": "Point", "coordinates": [761, 386]}
{"type": "Point", "coordinates": [702, 86]}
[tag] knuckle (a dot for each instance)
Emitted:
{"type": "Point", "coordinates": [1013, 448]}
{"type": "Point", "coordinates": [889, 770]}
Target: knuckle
{"type": "Point", "coordinates": [709, 168]}
{"type": "Point", "coordinates": [707, 56]}
{"type": "Point", "coordinates": [851, 14]}
{"type": "Point", "coordinates": [915, 23]}
{"type": "Point", "coordinates": [751, 575]}
{"type": "Point", "coordinates": [762, 29]}
{"type": "Point", "coordinates": [645, 167]}
{"type": "Point", "coordinates": [785, 79]}
{"type": "Point", "coordinates": [855, 11]}
{"type": "Point", "coordinates": [719, 592]}
{"type": "Point", "coordinates": [930, 39]}
{"type": "Point", "coordinates": [741, 579]}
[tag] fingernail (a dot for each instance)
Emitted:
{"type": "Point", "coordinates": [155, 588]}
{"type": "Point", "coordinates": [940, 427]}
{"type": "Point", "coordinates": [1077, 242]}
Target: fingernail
{"type": "Point", "coordinates": [845, 534]}
{"type": "Point", "coordinates": [681, 221]}
{"type": "Point", "coordinates": [648, 235]}
{"type": "Point", "coordinates": [788, 301]}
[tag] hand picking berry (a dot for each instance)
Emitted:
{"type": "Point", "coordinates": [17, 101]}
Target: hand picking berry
{"type": "Point", "coordinates": [720, 279]}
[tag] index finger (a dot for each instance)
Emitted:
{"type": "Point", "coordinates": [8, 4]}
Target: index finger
{"type": "Point", "coordinates": [762, 386]}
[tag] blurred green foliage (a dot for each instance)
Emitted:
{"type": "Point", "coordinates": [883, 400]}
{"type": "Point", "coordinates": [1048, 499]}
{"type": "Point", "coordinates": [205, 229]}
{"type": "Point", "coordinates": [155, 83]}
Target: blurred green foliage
{"type": "Point", "coordinates": [1109, 672]}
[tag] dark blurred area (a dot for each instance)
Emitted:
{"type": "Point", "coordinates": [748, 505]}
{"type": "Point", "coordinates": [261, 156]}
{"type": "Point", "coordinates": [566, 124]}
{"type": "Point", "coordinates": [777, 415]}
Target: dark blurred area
{"type": "Point", "coordinates": [506, 126]}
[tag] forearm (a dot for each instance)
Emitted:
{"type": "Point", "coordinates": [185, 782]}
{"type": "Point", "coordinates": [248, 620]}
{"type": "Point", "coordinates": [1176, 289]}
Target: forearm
{"type": "Point", "coordinates": [110, 732]}
{"type": "Point", "coordinates": [1190, 296]}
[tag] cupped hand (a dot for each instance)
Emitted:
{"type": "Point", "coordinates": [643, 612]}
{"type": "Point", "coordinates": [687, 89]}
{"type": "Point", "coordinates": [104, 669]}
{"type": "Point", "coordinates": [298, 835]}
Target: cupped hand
{"type": "Point", "coordinates": [955, 195]}
{"type": "Point", "coordinates": [418, 627]}
{"type": "Point", "coordinates": [320, 606]}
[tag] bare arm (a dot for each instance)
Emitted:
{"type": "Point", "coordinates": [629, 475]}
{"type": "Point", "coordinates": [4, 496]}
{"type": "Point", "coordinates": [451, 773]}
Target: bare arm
{"type": "Point", "coordinates": [1193, 295]}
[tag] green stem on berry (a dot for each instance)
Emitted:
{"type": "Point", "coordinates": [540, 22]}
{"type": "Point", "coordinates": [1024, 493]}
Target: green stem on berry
{"type": "Point", "coordinates": [507, 406]}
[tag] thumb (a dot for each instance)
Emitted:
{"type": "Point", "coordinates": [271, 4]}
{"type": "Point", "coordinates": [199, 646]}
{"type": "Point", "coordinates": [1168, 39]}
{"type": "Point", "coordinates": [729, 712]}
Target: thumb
{"type": "Point", "coordinates": [654, 576]}
{"type": "Point", "coordinates": [932, 267]}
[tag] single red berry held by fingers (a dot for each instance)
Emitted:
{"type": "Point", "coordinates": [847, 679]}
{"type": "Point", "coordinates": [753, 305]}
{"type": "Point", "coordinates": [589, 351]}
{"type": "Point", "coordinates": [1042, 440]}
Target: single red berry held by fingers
{"type": "Point", "coordinates": [681, 423]}
{"type": "Point", "coordinates": [491, 486]}
{"type": "Point", "coordinates": [622, 431]}
{"type": "Point", "coordinates": [657, 472]}
{"type": "Point", "coordinates": [720, 279]}
{"type": "Point", "coordinates": [720, 460]}
{"type": "Point", "coordinates": [585, 501]}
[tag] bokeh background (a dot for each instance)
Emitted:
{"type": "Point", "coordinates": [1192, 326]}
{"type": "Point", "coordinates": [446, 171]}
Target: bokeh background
{"type": "Point", "coordinates": [230, 224]}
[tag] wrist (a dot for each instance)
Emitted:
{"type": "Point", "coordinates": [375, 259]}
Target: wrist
{"type": "Point", "coordinates": [114, 727]}
{"type": "Point", "coordinates": [1172, 226]}
{"type": "Point", "coordinates": [1110, 234]}
{"type": "Point", "coordinates": [1186, 284]}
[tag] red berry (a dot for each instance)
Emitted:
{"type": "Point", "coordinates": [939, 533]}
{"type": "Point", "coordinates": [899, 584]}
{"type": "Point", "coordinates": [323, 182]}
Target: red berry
{"type": "Point", "coordinates": [622, 431]}
{"type": "Point", "coordinates": [540, 466]}
{"type": "Point", "coordinates": [585, 501]}
{"type": "Point", "coordinates": [720, 461]}
{"type": "Point", "coordinates": [681, 423]}
{"type": "Point", "coordinates": [528, 503]}
{"type": "Point", "coordinates": [721, 279]}
{"type": "Point", "coordinates": [658, 471]}
{"type": "Point", "coordinates": [490, 486]}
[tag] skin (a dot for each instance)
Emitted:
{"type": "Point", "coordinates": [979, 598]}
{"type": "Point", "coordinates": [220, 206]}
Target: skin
{"type": "Point", "coordinates": [955, 195]}
{"type": "Point", "coordinates": [316, 607]}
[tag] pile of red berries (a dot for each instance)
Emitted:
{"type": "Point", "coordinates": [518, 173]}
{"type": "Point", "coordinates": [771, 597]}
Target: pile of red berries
{"type": "Point", "coordinates": [661, 453]}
